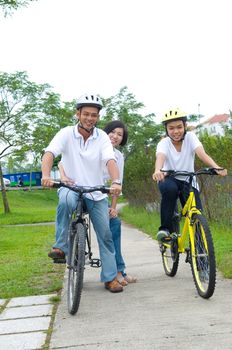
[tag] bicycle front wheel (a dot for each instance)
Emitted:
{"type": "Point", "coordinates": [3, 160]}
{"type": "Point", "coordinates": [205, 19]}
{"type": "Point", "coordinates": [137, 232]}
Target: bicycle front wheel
{"type": "Point", "coordinates": [170, 257]}
{"type": "Point", "coordinates": [76, 266]}
{"type": "Point", "coordinates": [202, 256]}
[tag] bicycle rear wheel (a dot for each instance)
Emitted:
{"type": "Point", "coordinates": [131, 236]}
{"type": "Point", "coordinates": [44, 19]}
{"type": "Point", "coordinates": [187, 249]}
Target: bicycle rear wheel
{"type": "Point", "coordinates": [76, 266]}
{"type": "Point", "coordinates": [169, 250]}
{"type": "Point", "coordinates": [202, 257]}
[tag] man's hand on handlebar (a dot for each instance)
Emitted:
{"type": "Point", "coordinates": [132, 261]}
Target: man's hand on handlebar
{"type": "Point", "coordinates": [47, 182]}
{"type": "Point", "coordinates": [115, 189]}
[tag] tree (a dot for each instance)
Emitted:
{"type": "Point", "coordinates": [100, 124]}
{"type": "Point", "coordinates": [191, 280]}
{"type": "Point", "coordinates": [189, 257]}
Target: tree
{"type": "Point", "coordinates": [10, 5]}
{"type": "Point", "coordinates": [139, 152]}
{"type": "Point", "coordinates": [58, 115]}
{"type": "Point", "coordinates": [228, 128]}
{"type": "Point", "coordinates": [23, 104]}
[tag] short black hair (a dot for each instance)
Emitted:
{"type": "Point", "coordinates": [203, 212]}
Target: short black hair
{"type": "Point", "coordinates": [117, 124]}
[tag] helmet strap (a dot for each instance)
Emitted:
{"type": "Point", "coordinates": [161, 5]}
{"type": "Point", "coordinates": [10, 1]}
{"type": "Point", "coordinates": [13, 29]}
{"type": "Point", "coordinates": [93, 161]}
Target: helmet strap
{"type": "Point", "coordinates": [89, 131]}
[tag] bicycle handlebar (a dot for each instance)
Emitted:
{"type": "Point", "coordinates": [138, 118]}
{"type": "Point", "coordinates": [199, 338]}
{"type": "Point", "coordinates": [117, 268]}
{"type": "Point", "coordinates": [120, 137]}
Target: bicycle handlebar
{"type": "Point", "coordinates": [81, 189]}
{"type": "Point", "coordinates": [205, 171]}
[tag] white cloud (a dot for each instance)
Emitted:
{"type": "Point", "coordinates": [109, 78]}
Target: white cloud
{"type": "Point", "coordinates": [168, 53]}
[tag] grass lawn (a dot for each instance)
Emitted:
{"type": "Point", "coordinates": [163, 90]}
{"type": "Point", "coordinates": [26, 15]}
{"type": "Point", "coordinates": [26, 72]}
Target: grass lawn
{"type": "Point", "coordinates": [25, 268]}
{"type": "Point", "coordinates": [149, 223]}
{"type": "Point", "coordinates": [29, 206]}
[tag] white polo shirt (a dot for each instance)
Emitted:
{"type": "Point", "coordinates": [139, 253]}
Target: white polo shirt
{"type": "Point", "coordinates": [83, 162]}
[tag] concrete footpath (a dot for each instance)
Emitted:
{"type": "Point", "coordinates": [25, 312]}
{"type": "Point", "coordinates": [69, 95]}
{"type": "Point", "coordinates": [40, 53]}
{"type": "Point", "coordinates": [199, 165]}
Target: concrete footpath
{"type": "Point", "coordinates": [24, 322]}
{"type": "Point", "coordinates": [157, 312]}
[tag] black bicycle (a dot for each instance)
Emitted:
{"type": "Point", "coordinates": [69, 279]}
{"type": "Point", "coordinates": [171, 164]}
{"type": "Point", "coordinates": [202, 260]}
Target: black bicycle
{"type": "Point", "coordinates": [79, 245]}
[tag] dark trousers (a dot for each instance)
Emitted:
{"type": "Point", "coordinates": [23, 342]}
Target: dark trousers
{"type": "Point", "coordinates": [171, 189]}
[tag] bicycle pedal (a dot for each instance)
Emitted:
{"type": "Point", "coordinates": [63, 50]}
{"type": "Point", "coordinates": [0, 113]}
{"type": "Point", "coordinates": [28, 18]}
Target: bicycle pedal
{"type": "Point", "coordinates": [166, 239]}
{"type": "Point", "coordinates": [59, 261]}
{"type": "Point", "coordinates": [95, 263]}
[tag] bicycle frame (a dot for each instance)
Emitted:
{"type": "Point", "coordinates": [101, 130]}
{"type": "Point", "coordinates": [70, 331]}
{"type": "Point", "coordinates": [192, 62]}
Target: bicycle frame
{"type": "Point", "coordinates": [188, 211]}
{"type": "Point", "coordinates": [81, 215]}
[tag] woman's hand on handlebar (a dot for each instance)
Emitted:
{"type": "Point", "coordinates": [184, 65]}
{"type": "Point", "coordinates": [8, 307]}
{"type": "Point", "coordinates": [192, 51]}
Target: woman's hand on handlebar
{"type": "Point", "coordinates": [158, 175]}
{"type": "Point", "coordinates": [66, 179]}
{"type": "Point", "coordinates": [221, 172]}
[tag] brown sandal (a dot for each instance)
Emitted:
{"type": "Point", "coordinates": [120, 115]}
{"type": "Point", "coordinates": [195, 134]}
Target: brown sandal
{"type": "Point", "coordinates": [122, 280]}
{"type": "Point", "coordinates": [130, 279]}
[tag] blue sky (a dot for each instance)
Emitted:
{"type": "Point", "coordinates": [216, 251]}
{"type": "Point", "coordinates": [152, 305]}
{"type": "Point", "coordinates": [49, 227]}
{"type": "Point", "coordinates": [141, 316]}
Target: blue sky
{"type": "Point", "coordinates": [170, 53]}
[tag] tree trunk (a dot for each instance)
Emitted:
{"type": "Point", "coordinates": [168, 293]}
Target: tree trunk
{"type": "Point", "coordinates": [4, 197]}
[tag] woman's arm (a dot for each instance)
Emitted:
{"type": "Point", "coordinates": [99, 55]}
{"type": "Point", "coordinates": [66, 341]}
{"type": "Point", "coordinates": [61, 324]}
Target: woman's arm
{"type": "Point", "coordinates": [112, 210]}
{"type": "Point", "coordinates": [63, 176]}
{"type": "Point", "coordinates": [159, 163]}
{"type": "Point", "coordinates": [206, 159]}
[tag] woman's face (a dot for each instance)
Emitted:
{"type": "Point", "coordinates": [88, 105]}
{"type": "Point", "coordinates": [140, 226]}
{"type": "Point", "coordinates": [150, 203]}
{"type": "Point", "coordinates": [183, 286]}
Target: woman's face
{"type": "Point", "coordinates": [116, 136]}
{"type": "Point", "coordinates": [176, 130]}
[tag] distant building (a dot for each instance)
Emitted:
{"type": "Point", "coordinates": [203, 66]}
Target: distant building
{"type": "Point", "coordinates": [214, 125]}
{"type": "Point", "coordinates": [27, 178]}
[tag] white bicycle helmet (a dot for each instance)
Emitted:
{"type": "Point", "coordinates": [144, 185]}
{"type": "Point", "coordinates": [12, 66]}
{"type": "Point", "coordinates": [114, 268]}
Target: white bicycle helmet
{"type": "Point", "coordinates": [89, 100]}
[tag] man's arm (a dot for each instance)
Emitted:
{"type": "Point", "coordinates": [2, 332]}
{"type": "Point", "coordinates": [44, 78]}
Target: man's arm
{"type": "Point", "coordinates": [46, 167]}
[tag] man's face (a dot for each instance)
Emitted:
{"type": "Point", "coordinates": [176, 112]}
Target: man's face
{"type": "Point", "coordinates": [176, 130]}
{"type": "Point", "coordinates": [88, 116]}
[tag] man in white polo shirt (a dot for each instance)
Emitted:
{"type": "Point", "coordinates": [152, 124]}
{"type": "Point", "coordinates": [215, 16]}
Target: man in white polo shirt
{"type": "Point", "coordinates": [85, 149]}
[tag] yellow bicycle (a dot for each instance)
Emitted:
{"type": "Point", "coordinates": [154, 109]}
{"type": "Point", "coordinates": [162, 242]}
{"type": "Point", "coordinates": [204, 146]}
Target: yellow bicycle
{"type": "Point", "coordinates": [194, 239]}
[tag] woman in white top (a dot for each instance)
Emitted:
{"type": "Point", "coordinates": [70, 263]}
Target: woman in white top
{"type": "Point", "coordinates": [177, 152]}
{"type": "Point", "coordinates": [118, 135]}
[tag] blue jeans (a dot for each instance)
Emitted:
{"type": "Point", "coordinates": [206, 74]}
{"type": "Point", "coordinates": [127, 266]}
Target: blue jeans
{"type": "Point", "coordinates": [115, 227]}
{"type": "Point", "coordinates": [98, 212]}
{"type": "Point", "coordinates": [171, 189]}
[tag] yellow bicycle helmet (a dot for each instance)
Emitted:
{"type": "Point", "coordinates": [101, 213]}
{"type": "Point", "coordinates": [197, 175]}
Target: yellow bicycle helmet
{"type": "Point", "coordinates": [174, 114]}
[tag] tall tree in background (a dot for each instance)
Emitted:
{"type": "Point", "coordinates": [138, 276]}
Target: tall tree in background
{"type": "Point", "coordinates": [8, 6]}
{"type": "Point", "coordinates": [142, 129]}
{"type": "Point", "coordinates": [24, 107]}
{"type": "Point", "coordinates": [139, 152]}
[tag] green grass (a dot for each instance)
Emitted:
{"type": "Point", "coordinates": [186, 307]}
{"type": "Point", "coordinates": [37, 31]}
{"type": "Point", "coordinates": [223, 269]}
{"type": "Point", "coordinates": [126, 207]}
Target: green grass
{"type": "Point", "coordinates": [149, 223]}
{"type": "Point", "coordinates": [25, 268]}
{"type": "Point", "coordinates": [223, 247]}
{"type": "Point", "coordinates": [29, 206]}
{"type": "Point", "coordinates": [140, 218]}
